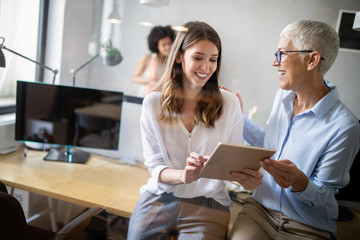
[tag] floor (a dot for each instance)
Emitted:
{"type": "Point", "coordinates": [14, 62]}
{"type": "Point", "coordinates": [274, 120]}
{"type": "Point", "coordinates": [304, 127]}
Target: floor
{"type": "Point", "coordinates": [347, 230]}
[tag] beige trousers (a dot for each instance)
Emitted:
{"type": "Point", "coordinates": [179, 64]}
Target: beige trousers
{"type": "Point", "coordinates": [255, 222]}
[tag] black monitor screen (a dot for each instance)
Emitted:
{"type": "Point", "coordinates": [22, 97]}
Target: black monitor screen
{"type": "Point", "coordinates": [66, 115]}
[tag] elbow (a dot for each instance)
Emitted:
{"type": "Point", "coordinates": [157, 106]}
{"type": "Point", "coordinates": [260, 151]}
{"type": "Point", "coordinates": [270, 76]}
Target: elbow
{"type": "Point", "coordinates": [133, 79]}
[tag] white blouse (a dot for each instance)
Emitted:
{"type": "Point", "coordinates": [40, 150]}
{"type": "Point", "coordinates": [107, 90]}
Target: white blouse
{"type": "Point", "coordinates": [168, 146]}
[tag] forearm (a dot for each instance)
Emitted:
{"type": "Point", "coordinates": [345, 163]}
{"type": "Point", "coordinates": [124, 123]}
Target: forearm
{"type": "Point", "coordinates": [253, 133]}
{"type": "Point", "coordinates": [140, 80]}
{"type": "Point", "coordinates": [171, 176]}
{"type": "Point", "coordinates": [300, 183]}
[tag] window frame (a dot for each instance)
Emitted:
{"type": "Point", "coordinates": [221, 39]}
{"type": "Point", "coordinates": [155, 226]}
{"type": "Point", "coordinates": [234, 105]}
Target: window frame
{"type": "Point", "coordinates": [40, 51]}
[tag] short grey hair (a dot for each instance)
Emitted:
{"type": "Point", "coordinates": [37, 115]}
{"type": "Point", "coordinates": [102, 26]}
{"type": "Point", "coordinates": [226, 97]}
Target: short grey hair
{"type": "Point", "coordinates": [316, 36]}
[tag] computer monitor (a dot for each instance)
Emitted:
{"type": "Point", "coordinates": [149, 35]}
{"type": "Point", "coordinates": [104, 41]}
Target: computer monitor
{"type": "Point", "coordinates": [67, 116]}
{"type": "Point", "coordinates": [130, 146]}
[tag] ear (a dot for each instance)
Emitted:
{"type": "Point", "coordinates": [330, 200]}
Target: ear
{"type": "Point", "coordinates": [314, 59]}
{"type": "Point", "coordinates": [178, 58]}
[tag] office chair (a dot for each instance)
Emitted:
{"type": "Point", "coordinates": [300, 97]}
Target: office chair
{"type": "Point", "coordinates": [13, 225]}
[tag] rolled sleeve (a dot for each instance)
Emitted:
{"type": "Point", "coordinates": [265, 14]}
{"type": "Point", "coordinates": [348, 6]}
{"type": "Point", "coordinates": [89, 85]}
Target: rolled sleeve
{"type": "Point", "coordinates": [162, 186]}
{"type": "Point", "coordinates": [307, 196]}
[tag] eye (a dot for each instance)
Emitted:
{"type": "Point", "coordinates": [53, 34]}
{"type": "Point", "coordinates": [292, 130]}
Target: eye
{"type": "Point", "coordinates": [213, 60]}
{"type": "Point", "coordinates": [197, 58]}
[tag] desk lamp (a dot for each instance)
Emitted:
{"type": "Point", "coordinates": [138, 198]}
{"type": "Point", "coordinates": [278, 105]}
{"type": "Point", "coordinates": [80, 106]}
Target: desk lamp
{"type": "Point", "coordinates": [111, 57]}
{"type": "Point", "coordinates": [3, 62]}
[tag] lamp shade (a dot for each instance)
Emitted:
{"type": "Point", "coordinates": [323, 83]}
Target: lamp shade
{"type": "Point", "coordinates": [356, 25]}
{"type": "Point", "coordinates": [111, 56]}
{"type": "Point", "coordinates": [155, 3]}
{"type": "Point", "coordinates": [114, 16]}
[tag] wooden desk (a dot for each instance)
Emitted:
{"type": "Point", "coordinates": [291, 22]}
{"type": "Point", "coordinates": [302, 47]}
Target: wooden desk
{"type": "Point", "coordinates": [100, 182]}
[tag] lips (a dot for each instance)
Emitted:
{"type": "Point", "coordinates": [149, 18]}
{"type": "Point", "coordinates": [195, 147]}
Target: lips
{"type": "Point", "coordinates": [281, 73]}
{"type": "Point", "coordinates": [202, 75]}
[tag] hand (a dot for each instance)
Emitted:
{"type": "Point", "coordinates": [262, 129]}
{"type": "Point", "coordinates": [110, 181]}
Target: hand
{"type": "Point", "coordinates": [286, 174]}
{"type": "Point", "coordinates": [248, 178]}
{"type": "Point", "coordinates": [237, 95]}
{"type": "Point", "coordinates": [224, 88]}
{"type": "Point", "coordinates": [194, 163]}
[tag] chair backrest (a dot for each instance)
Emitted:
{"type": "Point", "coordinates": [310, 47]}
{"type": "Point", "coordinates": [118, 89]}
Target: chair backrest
{"type": "Point", "coordinates": [12, 219]}
{"type": "Point", "coordinates": [13, 225]}
{"type": "Point", "coordinates": [3, 188]}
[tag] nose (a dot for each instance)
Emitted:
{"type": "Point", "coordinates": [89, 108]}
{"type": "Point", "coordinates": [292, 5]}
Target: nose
{"type": "Point", "coordinates": [275, 62]}
{"type": "Point", "coordinates": [205, 66]}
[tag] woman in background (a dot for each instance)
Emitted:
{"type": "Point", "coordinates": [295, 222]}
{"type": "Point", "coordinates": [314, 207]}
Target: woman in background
{"type": "Point", "coordinates": [182, 120]}
{"type": "Point", "coordinates": [152, 66]}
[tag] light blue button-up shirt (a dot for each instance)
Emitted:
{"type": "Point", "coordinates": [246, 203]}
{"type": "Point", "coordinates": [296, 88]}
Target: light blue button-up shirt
{"type": "Point", "coordinates": [322, 142]}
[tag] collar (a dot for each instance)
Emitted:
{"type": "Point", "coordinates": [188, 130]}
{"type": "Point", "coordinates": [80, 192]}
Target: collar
{"type": "Point", "coordinates": [323, 106]}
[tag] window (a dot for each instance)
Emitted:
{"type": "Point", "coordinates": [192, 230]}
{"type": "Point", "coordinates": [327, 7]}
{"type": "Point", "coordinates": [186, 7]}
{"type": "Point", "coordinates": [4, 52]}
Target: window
{"type": "Point", "coordinates": [19, 25]}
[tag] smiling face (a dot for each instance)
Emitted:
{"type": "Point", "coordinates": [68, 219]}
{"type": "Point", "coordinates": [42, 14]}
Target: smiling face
{"type": "Point", "coordinates": [164, 46]}
{"type": "Point", "coordinates": [199, 62]}
{"type": "Point", "coordinates": [292, 69]}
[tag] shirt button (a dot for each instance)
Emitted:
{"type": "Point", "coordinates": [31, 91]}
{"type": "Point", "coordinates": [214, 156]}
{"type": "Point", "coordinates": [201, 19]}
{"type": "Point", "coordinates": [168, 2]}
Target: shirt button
{"type": "Point", "coordinates": [189, 135]}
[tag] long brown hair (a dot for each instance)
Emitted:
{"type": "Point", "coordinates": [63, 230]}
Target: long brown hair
{"type": "Point", "coordinates": [210, 104]}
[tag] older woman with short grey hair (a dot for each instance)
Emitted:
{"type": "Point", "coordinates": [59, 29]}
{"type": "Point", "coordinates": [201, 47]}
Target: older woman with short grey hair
{"type": "Point", "coordinates": [316, 139]}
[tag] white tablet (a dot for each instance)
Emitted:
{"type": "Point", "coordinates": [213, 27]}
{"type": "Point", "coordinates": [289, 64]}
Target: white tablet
{"type": "Point", "coordinates": [227, 158]}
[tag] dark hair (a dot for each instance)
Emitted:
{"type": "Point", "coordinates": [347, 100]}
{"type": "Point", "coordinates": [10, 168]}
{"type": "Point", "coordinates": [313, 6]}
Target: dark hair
{"type": "Point", "coordinates": [158, 33]}
{"type": "Point", "coordinates": [209, 107]}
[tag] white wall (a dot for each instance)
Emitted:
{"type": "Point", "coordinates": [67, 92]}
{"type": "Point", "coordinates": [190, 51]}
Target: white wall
{"type": "Point", "coordinates": [249, 31]}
